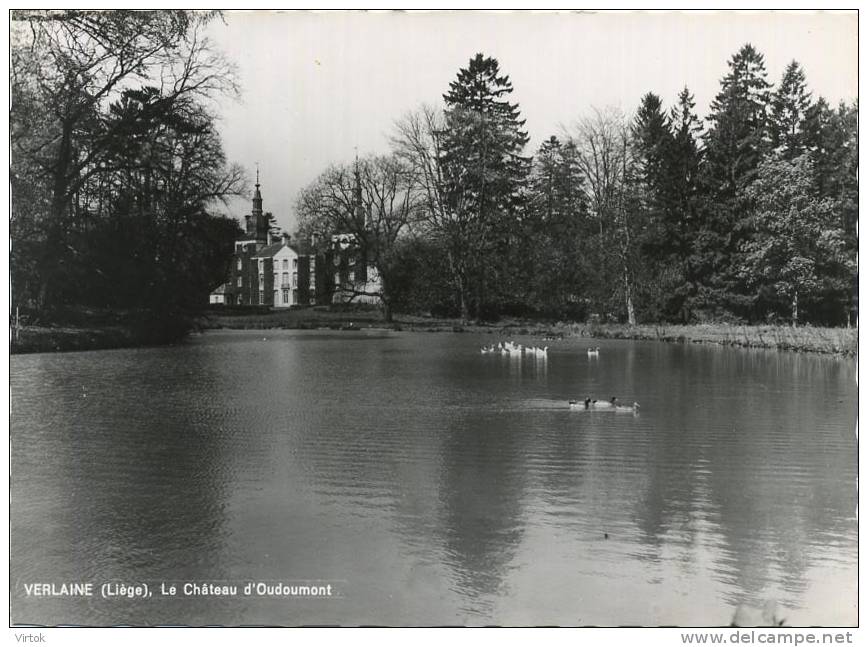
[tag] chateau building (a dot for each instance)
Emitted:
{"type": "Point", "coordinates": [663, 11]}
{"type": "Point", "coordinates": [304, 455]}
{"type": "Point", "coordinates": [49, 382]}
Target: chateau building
{"type": "Point", "coordinates": [267, 270]}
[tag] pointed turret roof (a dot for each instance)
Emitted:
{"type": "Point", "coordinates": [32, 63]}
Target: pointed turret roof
{"type": "Point", "coordinates": [256, 194]}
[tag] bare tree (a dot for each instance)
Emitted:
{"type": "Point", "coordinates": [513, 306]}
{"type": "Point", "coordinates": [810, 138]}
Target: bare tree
{"type": "Point", "coordinates": [602, 140]}
{"type": "Point", "coordinates": [418, 140]}
{"type": "Point", "coordinates": [375, 202]}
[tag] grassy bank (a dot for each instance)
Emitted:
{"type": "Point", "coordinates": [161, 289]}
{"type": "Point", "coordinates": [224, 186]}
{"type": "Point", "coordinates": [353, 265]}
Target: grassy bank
{"type": "Point", "coordinates": [127, 331]}
{"type": "Point", "coordinates": [836, 341]}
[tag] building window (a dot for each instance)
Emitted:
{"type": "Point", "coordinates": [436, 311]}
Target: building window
{"type": "Point", "coordinates": [285, 282]}
{"type": "Point", "coordinates": [262, 297]}
{"type": "Point", "coordinates": [295, 296]}
{"type": "Point", "coordinates": [261, 281]}
{"type": "Point", "coordinates": [239, 282]}
{"type": "Point", "coordinates": [239, 263]}
{"type": "Point", "coordinates": [285, 264]}
{"type": "Point", "coordinates": [352, 276]}
{"type": "Point", "coordinates": [294, 263]}
{"type": "Point", "coordinates": [275, 283]}
{"type": "Point", "coordinates": [295, 279]}
{"type": "Point", "coordinates": [286, 296]}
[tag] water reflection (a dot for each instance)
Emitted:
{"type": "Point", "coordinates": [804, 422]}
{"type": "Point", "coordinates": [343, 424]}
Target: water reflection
{"type": "Point", "coordinates": [481, 491]}
{"type": "Point", "coordinates": [434, 484]}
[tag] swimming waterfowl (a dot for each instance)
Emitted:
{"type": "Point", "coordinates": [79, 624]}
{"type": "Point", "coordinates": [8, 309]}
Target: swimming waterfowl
{"type": "Point", "coordinates": [580, 404]}
{"type": "Point", "coordinates": [604, 405]}
{"type": "Point", "coordinates": [594, 352]}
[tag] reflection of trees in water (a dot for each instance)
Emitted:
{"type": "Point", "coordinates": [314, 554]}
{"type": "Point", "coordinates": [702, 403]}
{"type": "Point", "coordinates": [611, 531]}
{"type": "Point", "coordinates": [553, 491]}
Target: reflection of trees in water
{"type": "Point", "coordinates": [758, 460]}
{"type": "Point", "coordinates": [673, 494]}
{"type": "Point", "coordinates": [481, 489]}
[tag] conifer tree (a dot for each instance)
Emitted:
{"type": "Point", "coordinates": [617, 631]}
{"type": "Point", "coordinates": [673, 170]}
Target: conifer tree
{"type": "Point", "coordinates": [484, 176]}
{"type": "Point", "coordinates": [685, 164]}
{"type": "Point", "coordinates": [737, 137]}
{"type": "Point", "coordinates": [735, 144]}
{"type": "Point", "coordinates": [652, 139]}
{"type": "Point", "coordinates": [553, 263]}
{"type": "Point", "coordinates": [789, 107]}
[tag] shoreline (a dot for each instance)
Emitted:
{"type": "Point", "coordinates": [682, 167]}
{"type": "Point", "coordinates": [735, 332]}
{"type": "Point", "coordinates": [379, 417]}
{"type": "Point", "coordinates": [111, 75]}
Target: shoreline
{"type": "Point", "coordinates": [840, 342]}
{"type": "Point", "coordinates": [70, 338]}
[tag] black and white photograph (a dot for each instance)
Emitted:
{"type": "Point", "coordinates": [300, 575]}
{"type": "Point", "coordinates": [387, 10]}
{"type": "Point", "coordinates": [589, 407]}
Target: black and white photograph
{"type": "Point", "coordinates": [434, 318]}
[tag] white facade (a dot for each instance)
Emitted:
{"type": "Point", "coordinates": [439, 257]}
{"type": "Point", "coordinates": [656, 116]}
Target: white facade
{"type": "Point", "coordinates": [285, 269]}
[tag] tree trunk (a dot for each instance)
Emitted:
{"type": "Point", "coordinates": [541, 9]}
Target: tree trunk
{"type": "Point", "coordinates": [385, 299]}
{"type": "Point", "coordinates": [460, 280]}
{"type": "Point", "coordinates": [795, 309]}
{"type": "Point", "coordinates": [55, 234]}
{"type": "Point", "coordinates": [628, 296]}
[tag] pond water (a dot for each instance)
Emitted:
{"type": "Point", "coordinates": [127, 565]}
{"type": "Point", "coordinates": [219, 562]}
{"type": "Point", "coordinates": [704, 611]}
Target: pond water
{"type": "Point", "coordinates": [426, 483]}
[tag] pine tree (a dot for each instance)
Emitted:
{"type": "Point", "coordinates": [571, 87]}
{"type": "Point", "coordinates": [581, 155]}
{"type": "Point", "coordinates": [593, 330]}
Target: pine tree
{"type": "Point", "coordinates": [556, 183]}
{"type": "Point", "coordinates": [652, 139]}
{"type": "Point", "coordinates": [684, 153]}
{"type": "Point", "coordinates": [667, 153]}
{"type": "Point", "coordinates": [554, 267]}
{"type": "Point", "coordinates": [735, 144]}
{"type": "Point", "coordinates": [484, 176]}
{"type": "Point", "coordinates": [737, 137]}
{"type": "Point", "coordinates": [544, 182]}
{"type": "Point", "coordinates": [789, 108]}
{"type": "Point", "coordinates": [685, 160]}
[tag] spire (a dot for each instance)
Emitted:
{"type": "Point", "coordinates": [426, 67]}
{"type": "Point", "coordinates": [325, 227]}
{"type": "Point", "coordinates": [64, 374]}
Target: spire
{"type": "Point", "coordinates": [259, 220]}
{"type": "Point", "coordinates": [257, 196]}
{"type": "Point", "coordinates": [358, 210]}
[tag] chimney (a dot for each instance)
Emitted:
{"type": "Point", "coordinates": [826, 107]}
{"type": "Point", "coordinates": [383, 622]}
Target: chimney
{"type": "Point", "coordinates": [285, 237]}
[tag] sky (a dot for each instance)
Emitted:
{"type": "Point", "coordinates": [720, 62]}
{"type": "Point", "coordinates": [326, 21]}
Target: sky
{"type": "Point", "coordinates": [317, 86]}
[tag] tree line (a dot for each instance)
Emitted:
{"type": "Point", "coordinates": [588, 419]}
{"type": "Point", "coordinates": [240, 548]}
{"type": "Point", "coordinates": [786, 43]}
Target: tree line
{"type": "Point", "coordinates": [116, 162]}
{"type": "Point", "coordinates": [749, 215]}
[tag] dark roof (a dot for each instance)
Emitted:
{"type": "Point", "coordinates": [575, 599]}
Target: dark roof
{"type": "Point", "coordinates": [271, 250]}
{"type": "Point", "coordinates": [222, 289]}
